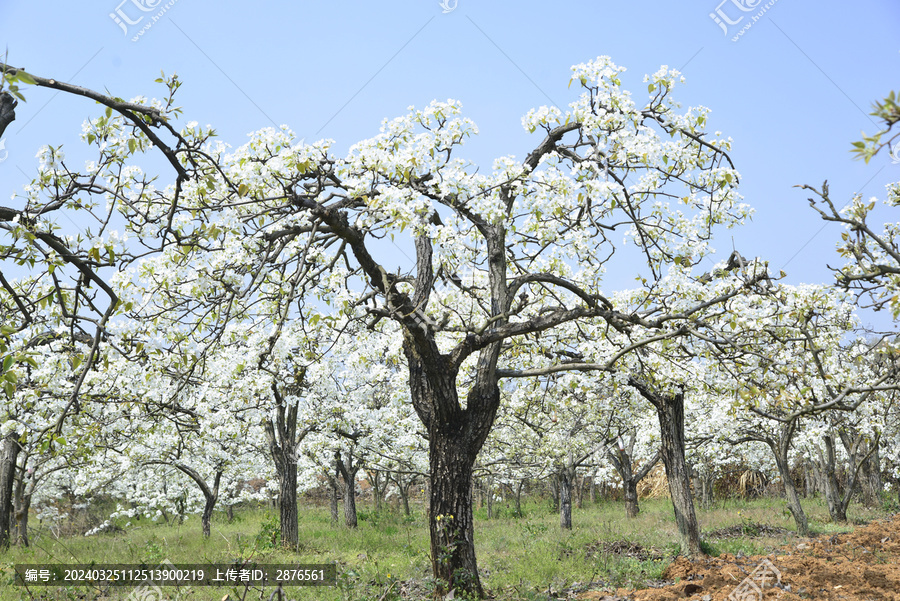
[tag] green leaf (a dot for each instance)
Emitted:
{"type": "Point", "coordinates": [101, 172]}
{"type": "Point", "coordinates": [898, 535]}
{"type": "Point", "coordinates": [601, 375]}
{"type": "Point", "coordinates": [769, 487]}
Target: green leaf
{"type": "Point", "coordinates": [243, 189]}
{"type": "Point", "coordinates": [25, 78]}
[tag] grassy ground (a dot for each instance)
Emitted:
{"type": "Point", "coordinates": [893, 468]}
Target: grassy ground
{"type": "Point", "coordinates": [386, 557]}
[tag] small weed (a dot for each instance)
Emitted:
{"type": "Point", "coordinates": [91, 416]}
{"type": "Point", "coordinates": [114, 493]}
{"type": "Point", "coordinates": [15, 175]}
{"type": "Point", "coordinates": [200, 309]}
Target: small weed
{"type": "Point", "coordinates": [269, 534]}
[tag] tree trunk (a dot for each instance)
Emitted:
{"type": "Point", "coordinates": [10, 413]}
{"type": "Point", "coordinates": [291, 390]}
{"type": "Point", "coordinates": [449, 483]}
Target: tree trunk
{"type": "Point", "coordinates": [632, 508]}
{"type": "Point", "coordinates": [554, 492]}
{"type": "Point", "coordinates": [456, 431]}
{"type": "Point", "coordinates": [781, 448]}
{"type": "Point", "coordinates": [333, 485]}
{"type": "Point", "coordinates": [622, 460]}
{"type": "Point", "coordinates": [451, 525]}
{"type": "Point", "coordinates": [283, 440]}
{"type": "Point", "coordinates": [378, 484]}
{"type": "Point", "coordinates": [348, 470]}
{"type": "Point", "coordinates": [211, 497]}
{"type": "Point", "coordinates": [22, 520]}
{"type": "Point", "coordinates": [832, 489]}
{"type": "Point", "coordinates": [21, 504]}
{"type": "Point", "coordinates": [404, 496]}
{"type": "Point", "coordinates": [9, 452]}
{"type": "Point", "coordinates": [287, 505]}
{"type": "Point", "coordinates": [871, 482]}
{"type": "Point", "coordinates": [519, 486]}
{"type": "Point", "coordinates": [704, 486]}
{"type": "Point", "coordinates": [670, 411]}
{"type": "Point", "coordinates": [809, 482]}
{"type": "Point", "coordinates": [566, 477]}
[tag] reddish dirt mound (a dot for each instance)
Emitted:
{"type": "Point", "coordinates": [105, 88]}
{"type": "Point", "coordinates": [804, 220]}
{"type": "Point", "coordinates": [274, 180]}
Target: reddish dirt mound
{"type": "Point", "coordinates": [860, 566]}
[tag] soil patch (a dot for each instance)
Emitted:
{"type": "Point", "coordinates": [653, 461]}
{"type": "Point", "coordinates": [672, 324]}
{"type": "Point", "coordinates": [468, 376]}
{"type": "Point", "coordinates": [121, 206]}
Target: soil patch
{"type": "Point", "coordinates": [749, 530]}
{"type": "Point", "coordinates": [623, 548]}
{"type": "Point", "coordinates": [861, 565]}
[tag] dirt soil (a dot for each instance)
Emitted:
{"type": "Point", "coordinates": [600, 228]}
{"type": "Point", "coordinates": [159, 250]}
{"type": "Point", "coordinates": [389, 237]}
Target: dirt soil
{"type": "Point", "coordinates": [862, 565]}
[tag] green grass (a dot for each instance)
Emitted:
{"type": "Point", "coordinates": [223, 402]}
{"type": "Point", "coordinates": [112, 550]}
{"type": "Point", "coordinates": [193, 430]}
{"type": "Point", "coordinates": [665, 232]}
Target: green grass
{"type": "Point", "coordinates": [386, 558]}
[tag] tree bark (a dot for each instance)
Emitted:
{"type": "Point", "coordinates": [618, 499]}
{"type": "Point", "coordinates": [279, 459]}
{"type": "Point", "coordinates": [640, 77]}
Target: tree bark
{"type": "Point", "coordinates": [9, 453]}
{"type": "Point", "coordinates": [210, 494]}
{"type": "Point", "coordinates": [22, 520]}
{"type": "Point", "coordinates": [333, 485]}
{"type": "Point", "coordinates": [566, 477]}
{"type": "Point", "coordinates": [283, 440]}
{"type": "Point", "coordinates": [378, 484]}
{"type": "Point", "coordinates": [519, 486]}
{"type": "Point", "coordinates": [554, 492]}
{"type": "Point", "coordinates": [451, 525]}
{"type": "Point", "coordinates": [347, 469]}
{"type": "Point", "coordinates": [781, 448]}
{"type": "Point", "coordinates": [404, 496]}
{"type": "Point", "coordinates": [670, 412]}
{"type": "Point", "coordinates": [836, 509]}
{"type": "Point", "coordinates": [873, 485]}
{"type": "Point", "coordinates": [622, 460]}
{"type": "Point", "coordinates": [21, 504]}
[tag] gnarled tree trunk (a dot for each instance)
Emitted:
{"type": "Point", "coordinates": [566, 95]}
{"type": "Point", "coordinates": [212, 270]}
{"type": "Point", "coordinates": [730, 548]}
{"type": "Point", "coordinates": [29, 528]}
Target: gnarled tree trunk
{"type": "Point", "coordinates": [670, 411]}
{"type": "Point", "coordinates": [455, 435]}
{"type": "Point", "coordinates": [283, 441]}
{"type": "Point", "coordinates": [9, 452]}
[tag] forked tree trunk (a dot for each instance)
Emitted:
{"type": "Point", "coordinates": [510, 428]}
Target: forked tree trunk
{"type": "Point", "coordinates": [827, 462]}
{"type": "Point", "coordinates": [403, 489]}
{"type": "Point", "coordinates": [210, 495]}
{"type": "Point", "coordinates": [790, 493]}
{"type": "Point", "coordinates": [378, 483]}
{"type": "Point", "coordinates": [22, 508]}
{"type": "Point", "coordinates": [622, 460]}
{"type": "Point", "coordinates": [670, 411]}
{"type": "Point", "coordinates": [872, 484]}
{"type": "Point", "coordinates": [283, 440]}
{"type": "Point", "coordinates": [455, 436]}
{"type": "Point", "coordinates": [781, 448]}
{"type": "Point", "coordinates": [9, 452]}
{"type": "Point", "coordinates": [348, 470]}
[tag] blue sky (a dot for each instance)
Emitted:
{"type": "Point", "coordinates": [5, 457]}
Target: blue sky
{"type": "Point", "coordinates": [793, 91]}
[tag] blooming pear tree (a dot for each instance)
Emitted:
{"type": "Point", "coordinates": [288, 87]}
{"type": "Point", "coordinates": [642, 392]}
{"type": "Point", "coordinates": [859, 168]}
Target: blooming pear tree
{"type": "Point", "coordinates": [872, 254]}
{"type": "Point", "coordinates": [247, 238]}
{"type": "Point", "coordinates": [796, 363]}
